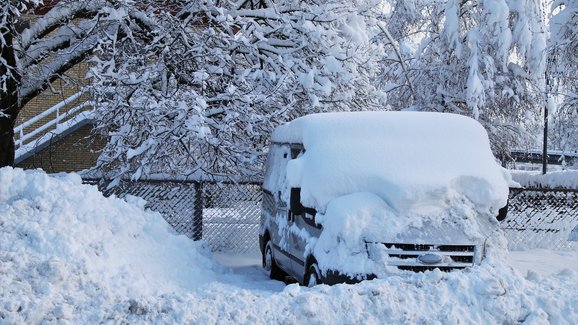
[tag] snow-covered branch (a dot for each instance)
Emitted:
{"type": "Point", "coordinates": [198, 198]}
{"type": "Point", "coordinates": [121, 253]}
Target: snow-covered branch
{"type": "Point", "coordinates": [479, 58]}
{"type": "Point", "coordinates": [38, 48]}
{"type": "Point", "coordinates": [60, 15]}
{"type": "Point", "coordinates": [229, 77]}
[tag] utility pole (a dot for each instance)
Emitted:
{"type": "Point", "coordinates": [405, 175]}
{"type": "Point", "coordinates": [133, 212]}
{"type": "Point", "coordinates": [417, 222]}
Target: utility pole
{"type": "Point", "coordinates": [545, 144]}
{"type": "Point", "coordinates": [546, 93]}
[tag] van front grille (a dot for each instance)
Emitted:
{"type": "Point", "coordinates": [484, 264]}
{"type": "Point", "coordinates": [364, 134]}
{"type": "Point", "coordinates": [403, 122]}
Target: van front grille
{"type": "Point", "coordinates": [407, 256]}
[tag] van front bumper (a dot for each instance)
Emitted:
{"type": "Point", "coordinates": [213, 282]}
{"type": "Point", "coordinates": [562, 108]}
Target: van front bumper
{"type": "Point", "coordinates": [332, 277]}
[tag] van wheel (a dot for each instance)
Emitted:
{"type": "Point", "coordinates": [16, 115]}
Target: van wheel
{"type": "Point", "coordinates": [312, 277]}
{"type": "Point", "coordinates": [269, 265]}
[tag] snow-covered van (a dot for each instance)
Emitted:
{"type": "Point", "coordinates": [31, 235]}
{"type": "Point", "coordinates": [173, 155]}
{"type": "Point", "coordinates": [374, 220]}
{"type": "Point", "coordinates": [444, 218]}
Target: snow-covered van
{"type": "Point", "coordinates": [358, 195]}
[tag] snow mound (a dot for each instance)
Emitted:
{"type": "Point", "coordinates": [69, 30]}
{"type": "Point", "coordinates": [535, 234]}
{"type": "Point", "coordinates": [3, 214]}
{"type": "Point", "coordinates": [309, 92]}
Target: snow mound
{"type": "Point", "coordinates": [561, 179]}
{"type": "Point", "coordinates": [62, 242]}
{"type": "Point", "coordinates": [403, 157]}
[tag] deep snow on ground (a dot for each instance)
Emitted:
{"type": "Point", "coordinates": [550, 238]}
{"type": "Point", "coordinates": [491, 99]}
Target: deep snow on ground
{"type": "Point", "coordinates": [69, 255]}
{"type": "Point", "coordinates": [545, 262]}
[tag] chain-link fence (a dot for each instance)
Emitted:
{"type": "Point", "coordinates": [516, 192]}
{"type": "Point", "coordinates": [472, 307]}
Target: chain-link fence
{"type": "Point", "coordinates": [175, 201]}
{"type": "Point", "coordinates": [231, 214]}
{"type": "Point", "coordinates": [226, 215]}
{"type": "Point", "coordinates": [541, 218]}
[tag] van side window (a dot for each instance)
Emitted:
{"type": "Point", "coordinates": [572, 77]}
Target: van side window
{"type": "Point", "coordinates": [298, 210]}
{"type": "Point", "coordinates": [268, 203]}
{"type": "Point", "coordinates": [296, 149]}
{"type": "Point", "coordinates": [277, 159]}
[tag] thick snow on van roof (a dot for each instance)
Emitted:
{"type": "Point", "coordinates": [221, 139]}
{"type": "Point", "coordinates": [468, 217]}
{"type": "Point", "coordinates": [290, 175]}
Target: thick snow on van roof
{"type": "Point", "coordinates": [403, 157]}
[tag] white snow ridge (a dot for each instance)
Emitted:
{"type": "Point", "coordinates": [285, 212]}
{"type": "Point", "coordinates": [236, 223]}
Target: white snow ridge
{"type": "Point", "coordinates": [69, 255]}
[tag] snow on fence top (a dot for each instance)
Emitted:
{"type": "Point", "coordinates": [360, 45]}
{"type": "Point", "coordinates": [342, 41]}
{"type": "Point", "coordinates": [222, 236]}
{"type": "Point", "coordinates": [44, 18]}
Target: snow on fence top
{"type": "Point", "coordinates": [560, 179]}
{"type": "Point", "coordinates": [403, 157]}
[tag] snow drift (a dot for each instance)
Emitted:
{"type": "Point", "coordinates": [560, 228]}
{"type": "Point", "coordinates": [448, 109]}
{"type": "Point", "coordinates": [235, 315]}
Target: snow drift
{"type": "Point", "coordinates": [62, 243]}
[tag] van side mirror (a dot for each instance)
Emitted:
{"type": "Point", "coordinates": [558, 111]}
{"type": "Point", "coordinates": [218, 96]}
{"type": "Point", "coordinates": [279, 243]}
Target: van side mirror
{"type": "Point", "coordinates": [295, 201]}
{"type": "Point", "coordinates": [503, 212]}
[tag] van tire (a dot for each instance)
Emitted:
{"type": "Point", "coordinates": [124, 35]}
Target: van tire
{"type": "Point", "coordinates": [269, 265]}
{"type": "Point", "coordinates": [312, 276]}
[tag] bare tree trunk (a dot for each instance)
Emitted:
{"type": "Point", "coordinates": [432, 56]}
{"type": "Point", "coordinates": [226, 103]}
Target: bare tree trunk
{"type": "Point", "coordinates": [9, 102]}
{"type": "Point", "coordinates": [6, 142]}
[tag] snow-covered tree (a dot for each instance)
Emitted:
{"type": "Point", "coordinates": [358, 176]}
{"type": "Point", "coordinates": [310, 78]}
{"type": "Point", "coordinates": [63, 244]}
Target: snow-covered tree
{"type": "Point", "coordinates": [482, 58]}
{"type": "Point", "coordinates": [198, 91]}
{"type": "Point", "coordinates": [36, 51]}
{"type": "Point", "coordinates": [563, 64]}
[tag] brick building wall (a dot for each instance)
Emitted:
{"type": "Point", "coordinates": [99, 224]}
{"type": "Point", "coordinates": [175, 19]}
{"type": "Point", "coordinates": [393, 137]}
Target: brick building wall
{"type": "Point", "coordinates": [74, 152]}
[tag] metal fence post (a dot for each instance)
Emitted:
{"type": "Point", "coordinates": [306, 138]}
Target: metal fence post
{"type": "Point", "coordinates": [198, 212]}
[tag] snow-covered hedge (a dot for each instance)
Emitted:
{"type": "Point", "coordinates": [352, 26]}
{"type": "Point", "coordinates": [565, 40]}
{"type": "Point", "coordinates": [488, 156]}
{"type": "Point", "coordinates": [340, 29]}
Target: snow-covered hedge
{"type": "Point", "coordinates": [561, 179]}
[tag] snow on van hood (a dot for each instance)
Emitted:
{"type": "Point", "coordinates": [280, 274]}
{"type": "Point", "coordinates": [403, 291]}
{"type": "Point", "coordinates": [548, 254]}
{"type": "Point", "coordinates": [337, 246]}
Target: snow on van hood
{"type": "Point", "coordinates": [402, 157]}
{"type": "Point", "coordinates": [353, 220]}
